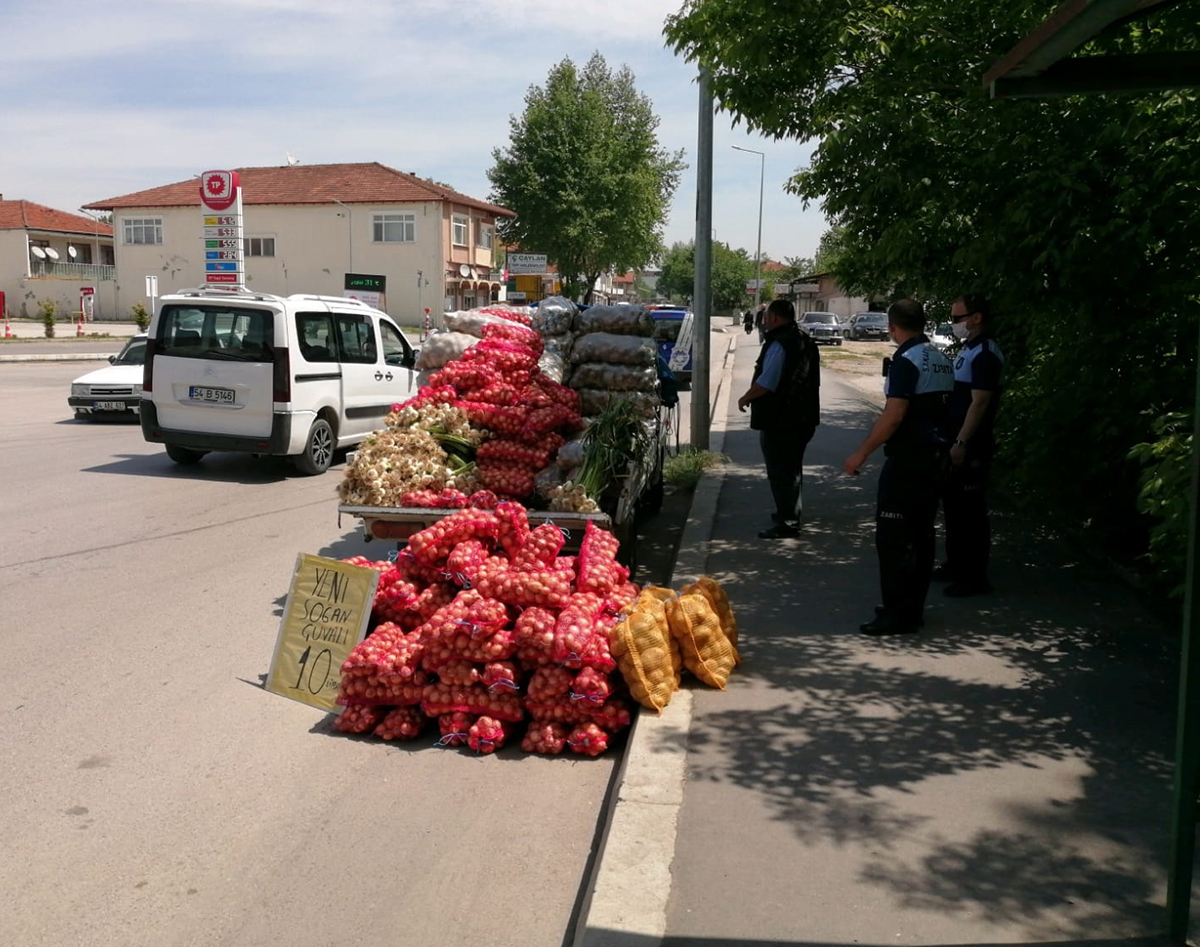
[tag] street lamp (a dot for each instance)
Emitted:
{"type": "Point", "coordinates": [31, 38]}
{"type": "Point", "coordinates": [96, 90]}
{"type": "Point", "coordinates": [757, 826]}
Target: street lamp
{"type": "Point", "coordinates": [349, 229]}
{"type": "Point", "coordinates": [762, 163]}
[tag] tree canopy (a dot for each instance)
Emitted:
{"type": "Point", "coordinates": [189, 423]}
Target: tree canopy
{"type": "Point", "coordinates": [585, 174]}
{"type": "Point", "coordinates": [730, 271]}
{"type": "Point", "coordinates": [1077, 216]}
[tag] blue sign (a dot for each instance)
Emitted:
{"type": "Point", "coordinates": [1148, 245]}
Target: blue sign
{"type": "Point", "coordinates": [220, 267]}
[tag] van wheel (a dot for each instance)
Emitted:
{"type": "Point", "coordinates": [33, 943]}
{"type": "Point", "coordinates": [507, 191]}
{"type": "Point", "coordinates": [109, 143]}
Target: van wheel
{"type": "Point", "coordinates": [318, 452]}
{"type": "Point", "coordinates": [184, 455]}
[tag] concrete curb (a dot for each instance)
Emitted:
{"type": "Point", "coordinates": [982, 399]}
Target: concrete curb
{"type": "Point", "coordinates": [626, 905]}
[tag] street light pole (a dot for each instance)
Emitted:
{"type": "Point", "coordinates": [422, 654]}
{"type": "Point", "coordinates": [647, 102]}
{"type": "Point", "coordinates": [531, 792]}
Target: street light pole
{"type": "Point", "coordinates": [762, 165]}
{"type": "Point", "coordinates": [349, 230]}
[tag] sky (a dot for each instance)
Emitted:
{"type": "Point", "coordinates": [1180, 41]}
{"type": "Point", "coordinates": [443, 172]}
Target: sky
{"type": "Point", "coordinates": [103, 99]}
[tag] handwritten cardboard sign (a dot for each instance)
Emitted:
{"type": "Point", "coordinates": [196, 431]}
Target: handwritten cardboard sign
{"type": "Point", "coordinates": [326, 615]}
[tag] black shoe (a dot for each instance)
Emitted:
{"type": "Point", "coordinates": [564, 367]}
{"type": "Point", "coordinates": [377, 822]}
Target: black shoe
{"type": "Point", "coordinates": [885, 624]}
{"type": "Point", "coordinates": [943, 573]}
{"type": "Point", "coordinates": [967, 589]}
{"type": "Point", "coordinates": [780, 531]}
{"type": "Point", "coordinates": [882, 610]}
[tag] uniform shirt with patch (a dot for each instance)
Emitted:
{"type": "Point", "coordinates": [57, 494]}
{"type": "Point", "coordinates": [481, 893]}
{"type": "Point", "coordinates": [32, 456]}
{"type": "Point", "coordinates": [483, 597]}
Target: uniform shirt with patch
{"type": "Point", "coordinates": [924, 377]}
{"type": "Point", "coordinates": [979, 367]}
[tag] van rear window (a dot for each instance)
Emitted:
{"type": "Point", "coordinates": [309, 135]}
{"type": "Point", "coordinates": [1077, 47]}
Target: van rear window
{"type": "Point", "coordinates": [215, 331]}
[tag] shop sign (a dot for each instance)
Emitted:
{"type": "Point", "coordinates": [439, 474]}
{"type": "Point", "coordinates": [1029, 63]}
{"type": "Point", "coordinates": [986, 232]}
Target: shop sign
{"type": "Point", "coordinates": [326, 614]}
{"type": "Point", "coordinates": [527, 263]}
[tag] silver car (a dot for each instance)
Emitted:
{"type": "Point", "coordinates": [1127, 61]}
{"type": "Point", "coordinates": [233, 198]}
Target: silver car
{"type": "Point", "coordinates": [823, 327]}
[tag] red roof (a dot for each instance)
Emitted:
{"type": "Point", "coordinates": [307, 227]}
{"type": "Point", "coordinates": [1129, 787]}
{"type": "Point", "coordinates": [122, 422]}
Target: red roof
{"type": "Point", "coordinates": [26, 215]}
{"type": "Point", "coordinates": [371, 183]}
{"type": "Point", "coordinates": [770, 266]}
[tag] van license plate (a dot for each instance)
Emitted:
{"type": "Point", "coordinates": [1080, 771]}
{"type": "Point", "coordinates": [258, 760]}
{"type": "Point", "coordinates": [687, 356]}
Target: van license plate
{"type": "Point", "coordinates": [216, 395]}
{"type": "Point", "coordinates": [110, 405]}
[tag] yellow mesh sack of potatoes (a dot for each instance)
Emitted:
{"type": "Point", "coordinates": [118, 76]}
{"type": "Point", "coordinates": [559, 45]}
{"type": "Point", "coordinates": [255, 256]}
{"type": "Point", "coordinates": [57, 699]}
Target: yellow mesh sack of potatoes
{"type": "Point", "coordinates": [711, 589]}
{"type": "Point", "coordinates": [657, 592]}
{"type": "Point", "coordinates": [641, 645]}
{"type": "Point", "coordinates": [707, 653]}
{"type": "Point", "coordinates": [651, 601]}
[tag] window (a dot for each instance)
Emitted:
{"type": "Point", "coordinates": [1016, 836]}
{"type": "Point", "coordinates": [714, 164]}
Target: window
{"type": "Point", "coordinates": [204, 331]}
{"type": "Point", "coordinates": [142, 229]}
{"type": "Point", "coordinates": [314, 330]}
{"type": "Point", "coordinates": [357, 339]}
{"type": "Point", "coordinates": [84, 253]}
{"type": "Point", "coordinates": [395, 228]}
{"type": "Point", "coordinates": [108, 255]}
{"type": "Point", "coordinates": [258, 246]}
{"type": "Point", "coordinates": [485, 236]}
{"type": "Point", "coordinates": [396, 348]}
{"type": "Point", "coordinates": [460, 231]}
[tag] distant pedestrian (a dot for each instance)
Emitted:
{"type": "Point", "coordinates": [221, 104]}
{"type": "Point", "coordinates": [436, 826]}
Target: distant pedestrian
{"type": "Point", "coordinates": [972, 412]}
{"type": "Point", "coordinates": [785, 408]}
{"type": "Point", "coordinates": [748, 321]}
{"type": "Point", "coordinates": [918, 387]}
{"type": "Point", "coordinates": [760, 318]}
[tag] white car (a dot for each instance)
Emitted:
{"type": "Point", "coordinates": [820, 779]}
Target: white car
{"type": "Point", "coordinates": [942, 337]}
{"type": "Point", "coordinates": [115, 391]}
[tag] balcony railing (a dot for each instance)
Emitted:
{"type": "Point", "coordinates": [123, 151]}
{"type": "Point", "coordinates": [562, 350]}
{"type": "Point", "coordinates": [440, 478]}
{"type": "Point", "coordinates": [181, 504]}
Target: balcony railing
{"type": "Point", "coordinates": [45, 269]}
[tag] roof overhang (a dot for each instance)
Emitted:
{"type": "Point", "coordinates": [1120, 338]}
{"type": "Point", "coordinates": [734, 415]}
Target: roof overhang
{"type": "Point", "coordinates": [1039, 65]}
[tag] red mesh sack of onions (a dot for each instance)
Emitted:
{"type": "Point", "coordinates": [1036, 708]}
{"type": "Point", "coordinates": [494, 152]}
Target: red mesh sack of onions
{"type": "Point", "coordinates": [403, 723]}
{"type": "Point", "coordinates": [464, 561]}
{"type": "Point", "coordinates": [549, 684]}
{"type": "Point", "coordinates": [465, 377]}
{"type": "Point", "coordinates": [502, 419]}
{"type": "Point", "coordinates": [558, 394]}
{"type": "Point", "coordinates": [589, 602]}
{"type": "Point", "coordinates": [573, 634]}
{"type": "Point", "coordinates": [515, 333]}
{"type": "Point", "coordinates": [624, 594]}
{"type": "Point", "coordinates": [502, 355]}
{"type": "Point", "coordinates": [487, 735]}
{"type": "Point", "coordinates": [501, 676]}
{"type": "Point", "coordinates": [597, 564]}
{"type": "Point", "coordinates": [358, 719]}
{"type": "Point", "coordinates": [613, 716]}
{"type": "Point", "coordinates": [588, 740]}
{"type": "Point", "coordinates": [451, 499]}
{"type": "Point", "coordinates": [469, 613]}
{"type": "Point", "coordinates": [598, 653]}
{"type": "Point", "coordinates": [533, 633]}
{"type": "Point", "coordinates": [512, 315]}
{"type": "Point", "coordinates": [458, 673]}
{"type": "Point", "coordinates": [441, 699]}
{"type": "Point", "coordinates": [514, 526]}
{"type": "Point", "coordinates": [379, 565]}
{"type": "Point", "coordinates": [411, 570]}
{"type": "Point", "coordinates": [373, 691]}
{"type": "Point", "coordinates": [559, 710]}
{"type": "Point", "coordinates": [366, 658]}
{"type": "Point", "coordinates": [499, 393]}
{"type": "Point", "coordinates": [590, 688]}
{"type": "Point", "coordinates": [543, 737]}
{"type": "Point", "coordinates": [483, 500]}
{"type": "Point", "coordinates": [454, 728]}
{"type": "Point", "coordinates": [553, 417]}
{"type": "Point", "coordinates": [426, 605]}
{"type": "Point", "coordinates": [427, 394]}
{"type": "Point", "coordinates": [508, 451]}
{"type": "Point", "coordinates": [465, 646]}
{"type": "Point", "coordinates": [433, 544]}
{"type": "Point", "coordinates": [420, 499]}
{"type": "Point", "coordinates": [392, 601]}
{"type": "Point", "coordinates": [545, 589]}
{"type": "Point", "coordinates": [509, 480]}
{"type": "Point", "coordinates": [540, 549]}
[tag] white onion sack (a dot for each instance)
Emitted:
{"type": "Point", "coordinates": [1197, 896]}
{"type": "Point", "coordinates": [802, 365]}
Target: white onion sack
{"type": "Point", "coordinates": [622, 320]}
{"type": "Point", "coordinates": [553, 316]}
{"type": "Point", "coordinates": [472, 322]}
{"type": "Point", "coordinates": [443, 347]}
{"type": "Point", "coordinates": [615, 377]}
{"type": "Point", "coordinates": [560, 345]}
{"type": "Point", "coordinates": [553, 367]}
{"type": "Point", "coordinates": [615, 349]}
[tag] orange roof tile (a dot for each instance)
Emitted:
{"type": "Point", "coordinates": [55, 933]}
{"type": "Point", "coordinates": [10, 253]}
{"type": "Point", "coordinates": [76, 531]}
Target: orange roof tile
{"type": "Point", "coordinates": [369, 183]}
{"type": "Point", "coordinates": [26, 215]}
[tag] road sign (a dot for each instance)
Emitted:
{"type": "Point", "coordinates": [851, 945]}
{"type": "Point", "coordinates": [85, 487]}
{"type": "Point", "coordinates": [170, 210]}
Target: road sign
{"type": "Point", "coordinates": [220, 267]}
{"type": "Point", "coordinates": [222, 255]}
{"type": "Point", "coordinates": [219, 189]}
{"type": "Point", "coordinates": [222, 277]}
{"type": "Point", "coordinates": [326, 614]}
{"type": "Point", "coordinates": [221, 205]}
{"type": "Point", "coordinates": [152, 286]}
{"type": "Point", "coordinates": [527, 263]}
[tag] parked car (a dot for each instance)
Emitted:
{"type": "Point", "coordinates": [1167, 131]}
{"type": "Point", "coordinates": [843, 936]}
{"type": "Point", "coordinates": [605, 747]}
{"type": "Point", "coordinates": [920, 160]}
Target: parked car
{"type": "Point", "coordinates": [824, 327]}
{"type": "Point", "coordinates": [869, 325]}
{"type": "Point", "coordinates": [297, 376]}
{"type": "Point", "coordinates": [115, 391]}
{"type": "Point", "coordinates": [942, 336]}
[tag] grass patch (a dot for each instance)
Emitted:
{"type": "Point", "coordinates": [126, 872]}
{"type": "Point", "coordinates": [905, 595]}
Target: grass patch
{"type": "Point", "coordinates": [684, 469]}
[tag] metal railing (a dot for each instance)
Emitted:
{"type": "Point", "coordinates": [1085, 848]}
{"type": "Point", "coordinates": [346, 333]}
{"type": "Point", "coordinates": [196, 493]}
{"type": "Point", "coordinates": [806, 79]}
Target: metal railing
{"type": "Point", "coordinates": [46, 269]}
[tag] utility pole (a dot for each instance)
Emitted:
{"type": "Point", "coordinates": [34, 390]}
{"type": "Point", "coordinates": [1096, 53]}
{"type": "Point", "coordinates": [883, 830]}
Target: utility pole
{"type": "Point", "coordinates": [762, 167]}
{"type": "Point", "coordinates": [702, 295]}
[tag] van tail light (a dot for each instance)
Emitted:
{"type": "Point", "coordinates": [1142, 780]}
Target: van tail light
{"type": "Point", "coordinates": [148, 367]}
{"type": "Point", "coordinates": [282, 379]}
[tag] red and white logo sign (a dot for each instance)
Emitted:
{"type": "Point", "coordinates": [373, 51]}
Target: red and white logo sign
{"type": "Point", "coordinates": [218, 189]}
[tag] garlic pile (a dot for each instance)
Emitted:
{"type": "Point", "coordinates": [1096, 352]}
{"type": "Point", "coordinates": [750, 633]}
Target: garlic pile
{"type": "Point", "coordinates": [571, 498]}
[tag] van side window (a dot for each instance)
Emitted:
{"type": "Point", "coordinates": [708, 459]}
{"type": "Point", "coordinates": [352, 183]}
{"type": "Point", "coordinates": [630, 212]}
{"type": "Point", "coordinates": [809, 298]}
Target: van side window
{"type": "Point", "coordinates": [396, 348]}
{"type": "Point", "coordinates": [318, 342]}
{"type": "Point", "coordinates": [357, 339]}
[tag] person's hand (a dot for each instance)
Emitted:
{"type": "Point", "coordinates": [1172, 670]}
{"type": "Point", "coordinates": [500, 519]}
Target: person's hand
{"type": "Point", "coordinates": [853, 463]}
{"type": "Point", "coordinates": [957, 455]}
{"type": "Point", "coordinates": [742, 402]}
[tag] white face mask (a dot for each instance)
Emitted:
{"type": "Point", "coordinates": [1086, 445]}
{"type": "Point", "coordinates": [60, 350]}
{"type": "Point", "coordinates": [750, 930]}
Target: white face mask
{"type": "Point", "coordinates": [960, 329]}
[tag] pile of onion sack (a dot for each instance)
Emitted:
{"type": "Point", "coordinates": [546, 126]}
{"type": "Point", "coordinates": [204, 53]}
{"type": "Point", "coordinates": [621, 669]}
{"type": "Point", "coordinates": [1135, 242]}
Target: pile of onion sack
{"type": "Point", "coordinates": [485, 634]}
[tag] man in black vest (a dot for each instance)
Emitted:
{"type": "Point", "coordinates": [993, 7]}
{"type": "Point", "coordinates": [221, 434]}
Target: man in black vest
{"type": "Point", "coordinates": [785, 409]}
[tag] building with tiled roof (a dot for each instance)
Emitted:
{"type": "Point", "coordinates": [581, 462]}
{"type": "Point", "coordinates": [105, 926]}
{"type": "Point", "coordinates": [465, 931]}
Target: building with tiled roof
{"type": "Point", "coordinates": [49, 254]}
{"type": "Point", "coordinates": [306, 227]}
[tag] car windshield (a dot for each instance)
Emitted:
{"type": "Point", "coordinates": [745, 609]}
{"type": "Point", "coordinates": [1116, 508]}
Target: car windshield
{"type": "Point", "coordinates": [214, 331]}
{"type": "Point", "coordinates": [825, 317]}
{"type": "Point", "coordinates": [134, 353]}
{"type": "Point", "coordinates": [871, 318]}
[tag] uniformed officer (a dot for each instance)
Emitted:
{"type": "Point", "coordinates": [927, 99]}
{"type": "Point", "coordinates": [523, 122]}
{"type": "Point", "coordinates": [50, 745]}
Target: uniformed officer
{"type": "Point", "coordinates": [919, 382]}
{"type": "Point", "coordinates": [970, 419]}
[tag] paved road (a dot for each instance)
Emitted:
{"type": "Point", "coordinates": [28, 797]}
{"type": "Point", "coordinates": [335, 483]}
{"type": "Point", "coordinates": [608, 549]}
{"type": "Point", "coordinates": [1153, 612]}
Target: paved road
{"type": "Point", "coordinates": [152, 794]}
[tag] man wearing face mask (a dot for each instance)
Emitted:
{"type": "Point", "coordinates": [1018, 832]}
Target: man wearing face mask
{"type": "Point", "coordinates": [971, 415]}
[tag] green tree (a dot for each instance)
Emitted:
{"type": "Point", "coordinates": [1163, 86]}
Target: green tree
{"type": "Point", "coordinates": [796, 267]}
{"type": "Point", "coordinates": [730, 271]}
{"type": "Point", "coordinates": [585, 174]}
{"type": "Point", "coordinates": [830, 250]}
{"type": "Point", "coordinates": [1077, 215]}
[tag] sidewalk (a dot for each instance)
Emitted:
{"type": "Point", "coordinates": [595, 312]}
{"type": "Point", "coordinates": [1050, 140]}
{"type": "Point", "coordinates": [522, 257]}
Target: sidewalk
{"type": "Point", "coordinates": [1003, 777]}
{"type": "Point", "coordinates": [29, 342]}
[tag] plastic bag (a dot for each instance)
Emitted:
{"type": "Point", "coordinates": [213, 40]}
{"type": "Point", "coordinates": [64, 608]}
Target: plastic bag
{"type": "Point", "coordinates": [570, 455]}
{"type": "Point", "coordinates": [547, 479]}
{"type": "Point", "coordinates": [553, 316]}
{"type": "Point", "coordinates": [622, 320]}
{"type": "Point", "coordinates": [615, 377]}
{"type": "Point", "coordinates": [553, 366]}
{"type": "Point", "coordinates": [614, 349]}
{"type": "Point", "coordinates": [443, 347]}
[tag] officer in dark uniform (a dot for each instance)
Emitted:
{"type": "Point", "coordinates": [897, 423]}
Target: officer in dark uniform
{"type": "Point", "coordinates": [918, 386]}
{"type": "Point", "coordinates": [785, 408]}
{"type": "Point", "coordinates": [972, 412]}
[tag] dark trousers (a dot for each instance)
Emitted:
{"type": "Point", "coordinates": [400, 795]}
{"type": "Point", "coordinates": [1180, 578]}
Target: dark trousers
{"type": "Point", "coordinates": [783, 454]}
{"type": "Point", "coordinates": [905, 512]}
{"type": "Point", "coordinates": [968, 530]}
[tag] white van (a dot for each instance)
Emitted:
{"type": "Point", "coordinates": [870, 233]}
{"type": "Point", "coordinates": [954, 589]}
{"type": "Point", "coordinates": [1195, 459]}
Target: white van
{"type": "Point", "coordinates": [296, 376]}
